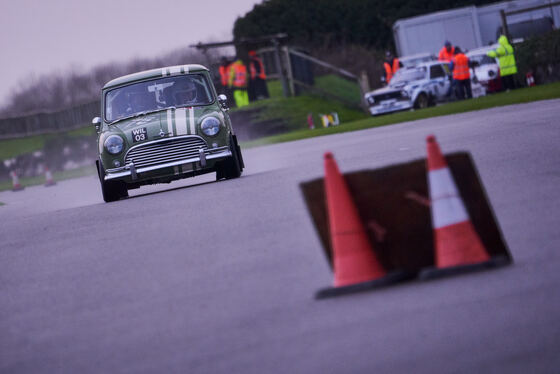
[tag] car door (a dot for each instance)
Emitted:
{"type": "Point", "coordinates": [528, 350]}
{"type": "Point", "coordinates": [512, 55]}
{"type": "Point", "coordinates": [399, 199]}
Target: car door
{"type": "Point", "coordinates": [440, 80]}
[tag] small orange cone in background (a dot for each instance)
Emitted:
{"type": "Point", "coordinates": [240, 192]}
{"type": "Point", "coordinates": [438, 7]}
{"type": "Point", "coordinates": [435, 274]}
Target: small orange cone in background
{"type": "Point", "coordinates": [49, 181]}
{"type": "Point", "coordinates": [458, 247]}
{"type": "Point", "coordinates": [356, 267]}
{"type": "Point", "coordinates": [16, 186]}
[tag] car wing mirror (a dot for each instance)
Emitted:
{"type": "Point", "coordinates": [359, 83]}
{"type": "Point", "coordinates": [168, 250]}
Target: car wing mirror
{"type": "Point", "coordinates": [222, 99]}
{"type": "Point", "coordinates": [96, 121]}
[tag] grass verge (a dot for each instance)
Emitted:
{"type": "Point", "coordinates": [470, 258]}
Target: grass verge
{"type": "Point", "coordinates": [293, 111]}
{"type": "Point", "coordinates": [6, 185]}
{"type": "Point", "coordinates": [522, 95]}
{"type": "Point", "coordinates": [15, 147]}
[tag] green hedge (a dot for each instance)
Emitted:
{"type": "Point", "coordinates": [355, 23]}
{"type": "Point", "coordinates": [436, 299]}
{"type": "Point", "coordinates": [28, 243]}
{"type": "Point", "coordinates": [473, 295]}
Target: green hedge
{"type": "Point", "coordinates": [541, 56]}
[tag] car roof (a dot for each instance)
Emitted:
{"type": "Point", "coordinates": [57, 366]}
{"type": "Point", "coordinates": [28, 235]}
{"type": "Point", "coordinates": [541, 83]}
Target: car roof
{"type": "Point", "coordinates": [424, 64]}
{"type": "Point", "coordinates": [155, 73]}
{"type": "Point", "coordinates": [417, 55]}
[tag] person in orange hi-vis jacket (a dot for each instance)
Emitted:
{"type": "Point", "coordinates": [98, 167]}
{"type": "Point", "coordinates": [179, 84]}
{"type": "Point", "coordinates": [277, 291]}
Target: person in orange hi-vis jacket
{"type": "Point", "coordinates": [461, 74]}
{"type": "Point", "coordinates": [238, 82]}
{"type": "Point", "coordinates": [391, 65]}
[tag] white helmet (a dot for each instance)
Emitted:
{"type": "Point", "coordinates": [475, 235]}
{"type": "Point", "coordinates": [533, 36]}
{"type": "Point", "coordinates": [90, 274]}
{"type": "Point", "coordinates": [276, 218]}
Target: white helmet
{"type": "Point", "coordinates": [185, 93]}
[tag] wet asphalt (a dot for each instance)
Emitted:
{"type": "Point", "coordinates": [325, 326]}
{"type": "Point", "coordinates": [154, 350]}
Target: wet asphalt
{"type": "Point", "coordinates": [206, 277]}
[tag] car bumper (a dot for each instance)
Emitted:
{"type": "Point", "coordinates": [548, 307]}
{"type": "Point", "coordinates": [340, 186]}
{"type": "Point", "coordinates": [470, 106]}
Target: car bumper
{"type": "Point", "coordinates": [132, 173]}
{"type": "Point", "coordinates": [390, 107]}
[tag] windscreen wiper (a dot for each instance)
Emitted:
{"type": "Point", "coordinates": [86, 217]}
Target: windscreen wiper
{"type": "Point", "coordinates": [146, 112]}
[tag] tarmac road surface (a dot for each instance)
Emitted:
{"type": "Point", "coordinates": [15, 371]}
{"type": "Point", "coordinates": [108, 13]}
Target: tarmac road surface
{"type": "Point", "coordinates": [205, 277]}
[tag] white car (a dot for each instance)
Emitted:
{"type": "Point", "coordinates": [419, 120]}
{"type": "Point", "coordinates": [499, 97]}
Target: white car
{"type": "Point", "coordinates": [411, 87]}
{"type": "Point", "coordinates": [413, 60]}
{"type": "Point", "coordinates": [487, 70]}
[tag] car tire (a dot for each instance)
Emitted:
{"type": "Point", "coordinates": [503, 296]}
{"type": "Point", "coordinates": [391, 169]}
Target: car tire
{"type": "Point", "coordinates": [421, 102]}
{"type": "Point", "coordinates": [233, 166]}
{"type": "Point", "coordinates": [432, 101]}
{"type": "Point", "coordinates": [239, 155]}
{"type": "Point", "coordinates": [111, 190]}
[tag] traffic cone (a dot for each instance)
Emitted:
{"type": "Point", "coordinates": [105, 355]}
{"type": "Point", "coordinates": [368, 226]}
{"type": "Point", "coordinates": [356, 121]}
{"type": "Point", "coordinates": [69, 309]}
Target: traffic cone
{"type": "Point", "coordinates": [49, 181]}
{"type": "Point", "coordinates": [458, 247]}
{"type": "Point", "coordinates": [16, 186]}
{"type": "Point", "coordinates": [356, 267]}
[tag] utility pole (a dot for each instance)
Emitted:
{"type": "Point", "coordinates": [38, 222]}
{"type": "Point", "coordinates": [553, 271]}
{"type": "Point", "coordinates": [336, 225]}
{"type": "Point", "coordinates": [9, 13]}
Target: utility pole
{"type": "Point", "coordinates": [280, 68]}
{"type": "Point", "coordinates": [505, 29]}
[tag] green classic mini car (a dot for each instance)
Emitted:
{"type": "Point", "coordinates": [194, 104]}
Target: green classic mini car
{"type": "Point", "coordinates": [162, 125]}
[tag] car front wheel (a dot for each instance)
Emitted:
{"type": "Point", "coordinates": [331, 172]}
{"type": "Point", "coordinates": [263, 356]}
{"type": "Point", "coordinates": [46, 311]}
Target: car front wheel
{"type": "Point", "coordinates": [233, 166]}
{"type": "Point", "coordinates": [111, 190]}
{"type": "Point", "coordinates": [421, 101]}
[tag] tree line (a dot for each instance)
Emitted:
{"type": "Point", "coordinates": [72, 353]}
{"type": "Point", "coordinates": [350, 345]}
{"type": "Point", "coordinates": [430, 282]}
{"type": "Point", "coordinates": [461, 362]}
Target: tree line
{"type": "Point", "coordinates": [329, 23]}
{"type": "Point", "coordinates": [60, 90]}
{"type": "Point", "coordinates": [352, 34]}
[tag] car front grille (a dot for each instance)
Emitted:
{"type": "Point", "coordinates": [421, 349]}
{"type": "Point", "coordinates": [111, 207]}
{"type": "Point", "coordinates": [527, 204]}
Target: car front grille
{"type": "Point", "coordinates": [163, 151]}
{"type": "Point", "coordinates": [387, 96]}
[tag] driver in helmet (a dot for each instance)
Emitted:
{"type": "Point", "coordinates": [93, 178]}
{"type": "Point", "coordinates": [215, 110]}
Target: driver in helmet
{"type": "Point", "coordinates": [185, 93]}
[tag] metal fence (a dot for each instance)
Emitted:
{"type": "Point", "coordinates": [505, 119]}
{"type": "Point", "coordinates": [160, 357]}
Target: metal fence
{"type": "Point", "coordinates": [42, 123]}
{"type": "Point", "coordinates": [299, 72]}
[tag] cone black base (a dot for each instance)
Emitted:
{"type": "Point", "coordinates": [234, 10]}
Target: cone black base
{"type": "Point", "coordinates": [433, 273]}
{"type": "Point", "coordinates": [387, 280]}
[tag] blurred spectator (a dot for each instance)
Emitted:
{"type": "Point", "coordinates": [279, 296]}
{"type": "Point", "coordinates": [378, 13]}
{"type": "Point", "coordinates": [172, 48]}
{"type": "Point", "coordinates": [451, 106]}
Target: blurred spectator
{"type": "Point", "coordinates": [446, 55]}
{"type": "Point", "coordinates": [391, 65]}
{"type": "Point", "coordinates": [461, 74]}
{"type": "Point", "coordinates": [447, 51]}
{"type": "Point", "coordinates": [506, 60]}
{"type": "Point", "coordinates": [257, 85]}
{"type": "Point", "coordinates": [238, 82]}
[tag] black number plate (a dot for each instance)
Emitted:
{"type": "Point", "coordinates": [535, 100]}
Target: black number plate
{"type": "Point", "coordinates": [139, 135]}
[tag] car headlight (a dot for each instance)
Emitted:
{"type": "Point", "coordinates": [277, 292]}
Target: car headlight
{"type": "Point", "coordinates": [210, 126]}
{"type": "Point", "coordinates": [405, 94]}
{"type": "Point", "coordinates": [114, 144]}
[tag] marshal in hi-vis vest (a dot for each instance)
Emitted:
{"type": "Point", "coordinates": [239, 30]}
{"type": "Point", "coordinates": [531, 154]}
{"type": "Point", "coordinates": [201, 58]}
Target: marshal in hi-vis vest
{"type": "Point", "coordinates": [461, 67]}
{"type": "Point", "coordinates": [238, 75]}
{"type": "Point", "coordinates": [505, 56]}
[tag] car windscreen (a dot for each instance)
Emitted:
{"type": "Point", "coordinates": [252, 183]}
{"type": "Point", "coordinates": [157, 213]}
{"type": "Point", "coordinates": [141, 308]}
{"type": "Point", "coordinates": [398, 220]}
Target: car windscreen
{"type": "Point", "coordinates": [409, 75]}
{"type": "Point", "coordinates": [176, 91]}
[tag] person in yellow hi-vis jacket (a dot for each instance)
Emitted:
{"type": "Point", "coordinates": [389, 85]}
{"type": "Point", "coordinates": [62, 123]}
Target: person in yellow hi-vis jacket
{"type": "Point", "coordinates": [238, 81]}
{"type": "Point", "coordinates": [506, 60]}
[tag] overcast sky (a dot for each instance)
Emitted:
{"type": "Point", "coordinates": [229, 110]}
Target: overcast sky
{"type": "Point", "coordinates": [43, 36]}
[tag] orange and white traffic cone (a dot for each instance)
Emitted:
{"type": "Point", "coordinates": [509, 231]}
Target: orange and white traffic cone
{"type": "Point", "coordinates": [16, 186]}
{"type": "Point", "coordinates": [49, 180]}
{"type": "Point", "coordinates": [310, 123]}
{"type": "Point", "coordinates": [530, 79]}
{"type": "Point", "coordinates": [458, 247]}
{"type": "Point", "coordinates": [356, 266]}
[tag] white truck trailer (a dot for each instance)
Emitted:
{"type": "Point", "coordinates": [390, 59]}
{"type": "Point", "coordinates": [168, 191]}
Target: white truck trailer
{"type": "Point", "coordinates": [472, 27]}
